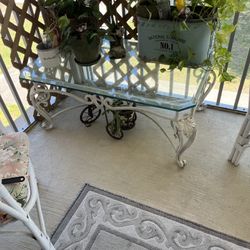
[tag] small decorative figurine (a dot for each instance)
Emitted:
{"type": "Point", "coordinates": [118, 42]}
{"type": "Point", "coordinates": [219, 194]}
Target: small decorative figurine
{"type": "Point", "coordinates": [117, 49]}
{"type": "Point", "coordinates": [116, 33]}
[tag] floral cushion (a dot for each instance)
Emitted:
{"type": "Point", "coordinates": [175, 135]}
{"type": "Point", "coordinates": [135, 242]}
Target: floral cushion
{"type": "Point", "coordinates": [14, 162]}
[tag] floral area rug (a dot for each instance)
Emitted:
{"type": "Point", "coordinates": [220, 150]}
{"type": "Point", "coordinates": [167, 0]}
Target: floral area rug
{"type": "Point", "coordinates": [99, 220]}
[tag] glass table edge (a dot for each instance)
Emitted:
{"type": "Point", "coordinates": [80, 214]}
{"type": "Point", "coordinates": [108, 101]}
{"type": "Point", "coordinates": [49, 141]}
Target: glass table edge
{"type": "Point", "coordinates": [62, 84]}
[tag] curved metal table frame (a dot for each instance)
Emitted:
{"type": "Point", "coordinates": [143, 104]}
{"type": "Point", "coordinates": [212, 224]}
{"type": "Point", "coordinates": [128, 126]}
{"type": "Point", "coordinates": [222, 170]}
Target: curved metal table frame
{"type": "Point", "coordinates": [184, 126]}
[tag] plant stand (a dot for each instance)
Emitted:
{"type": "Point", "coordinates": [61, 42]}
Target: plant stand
{"type": "Point", "coordinates": [122, 90]}
{"type": "Point", "coordinates": [122, 120]}
{"type": "Point", "coordinates": [184, 126]}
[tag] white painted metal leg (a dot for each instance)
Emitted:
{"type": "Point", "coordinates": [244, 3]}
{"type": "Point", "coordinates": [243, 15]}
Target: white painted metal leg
{"type": "Point", "coordinates": [40, 100]}
{"type": "Point", "coordinates": [208, 80]}
{"type": "Point", "coordinates": [40, 215]}
{"type": "Point", "coordinates": [184, 128]}
{"type": "Point", "coordinates": [242, 142]}
{"type": "Point", "coordinates": [14, 209]}
{"type": "Point", "coordinates": [243, 139]}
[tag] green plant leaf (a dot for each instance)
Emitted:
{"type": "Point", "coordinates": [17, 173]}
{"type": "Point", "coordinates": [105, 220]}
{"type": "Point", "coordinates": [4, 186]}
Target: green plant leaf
{"type": "Point", "coordinates": [184, 25]}
{"type": "Point", "coordinates": [172, 66]}
{"type": "Point", "coordinates": [92, 36]}
{"type": "Point", "coordinates": [181, 64]}
{"type": "Point", "coordinates": [63, 22]}
{"type": "Point", "coordinates": [227, 29]}
{"type": "Point", "coordinates": [207, 63]}
{"type": "Point", "coordinates": [225, 76]}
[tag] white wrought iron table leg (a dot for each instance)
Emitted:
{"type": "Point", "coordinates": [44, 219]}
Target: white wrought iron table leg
{"type": "Point", "coordinates": [234, 155]}
{"type": "Point", "coordinates": [209, 80]}
{"type": "Point", "coordinates": [237, 156]}
{"type": "Point", "coordinates": [40, 100]}
{"type": "Point", "coordinates": [239, 150]}
{"type": "Point", "coordinates": [184, 128]}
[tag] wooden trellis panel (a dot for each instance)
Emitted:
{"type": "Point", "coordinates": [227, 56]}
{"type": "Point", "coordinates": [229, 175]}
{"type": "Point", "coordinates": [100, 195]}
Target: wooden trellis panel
{"type": "Point", "coordinates": [22, 26]}
{"type": "Point", "coordinates": [20, 29]}
{"type": "Point", "coordinates": [124, 15]}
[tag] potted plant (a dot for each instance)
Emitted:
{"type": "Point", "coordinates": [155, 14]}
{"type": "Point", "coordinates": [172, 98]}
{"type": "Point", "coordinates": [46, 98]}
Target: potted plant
{"type": "Point", "coordinates": [188, 33]}
{"type": "Point", "coordinates": [48, 49]}
{"type": "Point", "coordinates": [81, 32]}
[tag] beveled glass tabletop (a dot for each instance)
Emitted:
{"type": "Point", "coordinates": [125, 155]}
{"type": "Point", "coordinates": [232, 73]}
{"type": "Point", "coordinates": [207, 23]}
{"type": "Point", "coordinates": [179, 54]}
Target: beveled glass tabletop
{"type": "Point", "coordinates": [129, 79]}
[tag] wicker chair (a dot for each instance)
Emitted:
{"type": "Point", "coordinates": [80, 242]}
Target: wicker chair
{"type": "Point", "coordinates": [18, 187]}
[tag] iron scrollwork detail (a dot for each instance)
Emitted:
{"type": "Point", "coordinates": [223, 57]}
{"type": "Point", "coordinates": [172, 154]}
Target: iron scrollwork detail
{"type": "Point", "coordinates": [187, 126]}
{"type": "Point", "coordinates": [184, 127]}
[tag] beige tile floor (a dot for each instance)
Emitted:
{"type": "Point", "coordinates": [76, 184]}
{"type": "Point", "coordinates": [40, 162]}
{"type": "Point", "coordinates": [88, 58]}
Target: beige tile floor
{"type": "Point", "coordinates": [141, 167]}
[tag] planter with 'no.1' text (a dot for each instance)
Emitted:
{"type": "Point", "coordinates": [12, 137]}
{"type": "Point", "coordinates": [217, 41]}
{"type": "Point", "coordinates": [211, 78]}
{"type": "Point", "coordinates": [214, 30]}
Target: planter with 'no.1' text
{"type": "Point", "coordinates": [168, 38]}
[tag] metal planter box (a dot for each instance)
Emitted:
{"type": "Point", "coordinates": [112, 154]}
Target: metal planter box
{"type": "Point", "coordinates": [164, 37]}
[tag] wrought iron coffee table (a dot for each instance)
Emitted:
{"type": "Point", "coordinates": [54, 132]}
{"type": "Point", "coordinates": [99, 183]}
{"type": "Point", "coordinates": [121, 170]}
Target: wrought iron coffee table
{"type": "Point", "coordinates": [123, 88]}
